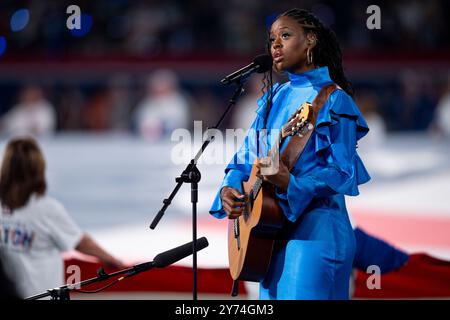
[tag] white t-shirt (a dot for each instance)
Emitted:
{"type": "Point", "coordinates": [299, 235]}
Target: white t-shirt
{"type": "Point", "coordinates": [37, 118]}
{"type": "Point", "coordinates": [159, 115]}
{"type": "Point", "coordinates": [31, 242]}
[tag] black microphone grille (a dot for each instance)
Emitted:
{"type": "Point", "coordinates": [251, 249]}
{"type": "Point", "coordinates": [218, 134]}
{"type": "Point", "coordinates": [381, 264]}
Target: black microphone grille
{"type": "Point", "coordinates": [264, 61]}
{"type": "Point", "coordinates": [202, 243]}
{"type": "Point", "coordinates": [171, 256]}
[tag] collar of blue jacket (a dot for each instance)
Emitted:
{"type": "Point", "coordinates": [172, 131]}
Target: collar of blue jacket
{"type": "Point", "coordinates": [313, 77]}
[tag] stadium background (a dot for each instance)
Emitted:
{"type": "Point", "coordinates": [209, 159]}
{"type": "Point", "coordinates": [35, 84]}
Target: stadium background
{"type": "Point", "coordinates": [112, 177]}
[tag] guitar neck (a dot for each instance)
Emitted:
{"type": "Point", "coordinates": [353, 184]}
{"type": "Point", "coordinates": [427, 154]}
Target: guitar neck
{"type": "Point", "coordinates": [274, 151]}
{"type": "Point", "coordinates": [257, 186]}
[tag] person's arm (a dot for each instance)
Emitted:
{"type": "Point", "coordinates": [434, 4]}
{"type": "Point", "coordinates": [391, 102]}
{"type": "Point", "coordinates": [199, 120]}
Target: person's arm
{"type": "Point", "coordinates": [89, 246]}
{"type": "Point", "coordinates": [67, 235]}
{"type": "Point", "coordinates": [371, 250]}
{"type": "Point", "coordinates": [237, 171]}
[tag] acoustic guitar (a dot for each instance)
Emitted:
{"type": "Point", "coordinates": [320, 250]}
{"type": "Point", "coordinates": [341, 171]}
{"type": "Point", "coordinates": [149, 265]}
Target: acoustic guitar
{"type": "Point", "coordinates": [252, 235]}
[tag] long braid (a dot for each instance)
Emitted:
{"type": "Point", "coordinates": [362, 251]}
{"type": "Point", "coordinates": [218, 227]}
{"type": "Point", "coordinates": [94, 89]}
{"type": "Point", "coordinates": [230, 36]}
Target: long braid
{"type": "Point", "coordinates": [268, 87]}
{"type": "Point", "coordinates": [327, 51]}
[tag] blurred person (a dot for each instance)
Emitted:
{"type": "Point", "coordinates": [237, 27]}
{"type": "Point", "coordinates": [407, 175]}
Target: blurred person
{"type": "Point", "coordinates": [34, 227]}
{"type": "Point", "coordinates": [71, 100]}
{"type": "Point", "coordinates": [33, 114]}
{"type": "Point", "coordinates": [413, 109]}
{"type": "Point", "coordinates": [164, 107]}
{"type": "Point", "coordinates": [313, 254]}
{"type": "Point", "coordinates": [109, 108]}
{"type": "Point", "coordinates": [120, 102]}
{"type": "Point", "coordinates": [419, 23]}
{"type": "Point", "coordinates": [244, 111]}
{"type": "Point", "coordinates": [96, 111]}
{"type": "Point", "coordinates": [205, 107]}
{"type": "Point", "coordinates": [143, 23]}
{"type": "Point", "coordinates": [441, 121]}
{"type": "Point", "coordinates": [7, 288]}
{"type": "Point", "coordinates": [368, 104]}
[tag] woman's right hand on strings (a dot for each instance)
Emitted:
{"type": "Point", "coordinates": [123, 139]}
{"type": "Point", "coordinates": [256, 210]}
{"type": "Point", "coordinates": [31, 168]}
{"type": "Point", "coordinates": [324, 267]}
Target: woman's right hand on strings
{"type": "Point", "coordinates": [232, 201]}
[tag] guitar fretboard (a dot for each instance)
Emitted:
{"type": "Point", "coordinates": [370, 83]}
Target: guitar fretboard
{"type": "Point", "coordinates": [274, 150]}
{"type": "Point", "coordinates": [292, 127]}
{"type": "Point", "coordinates": [256, 186]}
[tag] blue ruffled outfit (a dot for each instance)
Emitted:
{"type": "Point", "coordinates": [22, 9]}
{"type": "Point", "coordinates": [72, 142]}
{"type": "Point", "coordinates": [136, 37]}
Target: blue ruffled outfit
{"type": "Point", "coordinates": [313, 258]}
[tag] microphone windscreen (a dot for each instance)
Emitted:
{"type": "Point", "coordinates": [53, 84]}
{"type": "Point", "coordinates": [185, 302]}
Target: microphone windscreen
{"type": "Point", "coordinates": [171, 256]}
{"type": "Point", "coordinates": [264, 61]}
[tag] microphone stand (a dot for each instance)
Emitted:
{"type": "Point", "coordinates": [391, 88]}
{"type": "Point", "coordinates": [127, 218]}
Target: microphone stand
{"type": "Point", "coordinates": [63, 292]}
{"type": "Point", "coordinates": [192, 175]}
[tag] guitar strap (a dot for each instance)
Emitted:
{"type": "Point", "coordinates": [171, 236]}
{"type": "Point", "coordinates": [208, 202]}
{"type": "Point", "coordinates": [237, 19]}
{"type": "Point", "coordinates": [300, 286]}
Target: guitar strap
{"type": "Point", "coordinates": [297, 144]}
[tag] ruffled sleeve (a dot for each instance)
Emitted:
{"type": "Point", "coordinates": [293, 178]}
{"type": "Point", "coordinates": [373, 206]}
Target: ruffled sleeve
{"type": "Point", "coordinates": [339, 169]}
{"type": "Point", "coordinates": [238, 169]}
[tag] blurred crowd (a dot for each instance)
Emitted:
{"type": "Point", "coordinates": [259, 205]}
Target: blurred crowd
{"type": "Point", "coordinates": [180, 27]}
{"type": "Point", "coordinates": [155, 104]}
{"type": "Point", "coordinates": [158, 105]}
{"type": "Point", "coordinates": [161, 107]}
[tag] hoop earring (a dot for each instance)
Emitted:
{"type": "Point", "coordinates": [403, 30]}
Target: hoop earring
{"type": "Point", "coordinates": [309, 56]}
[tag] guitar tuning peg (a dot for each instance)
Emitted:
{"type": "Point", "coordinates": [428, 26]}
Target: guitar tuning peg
{"type": "Point", "coordinates": [310, 126]}
{"type": "Point", "coordinates": [300, 135]}
{"type": "Point", "coordinates": [299, 124]}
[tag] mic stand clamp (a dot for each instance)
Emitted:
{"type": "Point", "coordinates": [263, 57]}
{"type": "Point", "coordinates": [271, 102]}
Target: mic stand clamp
{"type": "Point", "coordinates": [61, 293]}
{"type": "Point", "coordinates": [190, 175]}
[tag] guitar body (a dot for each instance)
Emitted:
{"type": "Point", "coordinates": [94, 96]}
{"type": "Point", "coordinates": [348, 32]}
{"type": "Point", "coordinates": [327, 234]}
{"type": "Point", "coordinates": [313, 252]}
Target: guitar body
{"type": "Point", "coordinates": [258, 227]}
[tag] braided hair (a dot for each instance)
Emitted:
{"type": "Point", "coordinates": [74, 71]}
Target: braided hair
{"type": "Point", "coordinates": [326, 52]}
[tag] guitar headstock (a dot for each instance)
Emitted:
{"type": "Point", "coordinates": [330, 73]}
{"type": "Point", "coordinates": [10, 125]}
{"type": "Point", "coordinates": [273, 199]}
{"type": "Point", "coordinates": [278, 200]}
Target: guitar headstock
{"type": "Point", "coordinates": [300, 122]}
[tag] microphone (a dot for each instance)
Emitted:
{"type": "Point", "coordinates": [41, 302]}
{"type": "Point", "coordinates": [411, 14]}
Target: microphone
{"type": "Point", "coordinates": [173, 255]}
{"type": "Point", "coordinates": [260, 64]}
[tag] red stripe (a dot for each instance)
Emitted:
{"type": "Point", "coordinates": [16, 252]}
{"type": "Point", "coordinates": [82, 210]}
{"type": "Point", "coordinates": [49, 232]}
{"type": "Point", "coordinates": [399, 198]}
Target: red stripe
{"type": "Point", "coordinates": [170, 279]}
{"type": "Point", "coordinates": [406, 229]}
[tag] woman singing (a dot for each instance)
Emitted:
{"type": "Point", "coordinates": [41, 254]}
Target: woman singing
{"type": "Point", "coordinates": [313, 256]}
